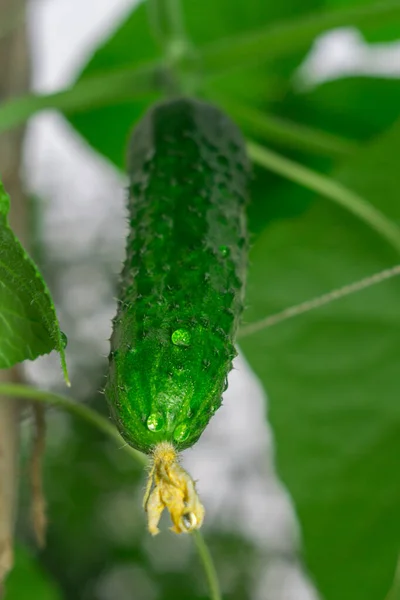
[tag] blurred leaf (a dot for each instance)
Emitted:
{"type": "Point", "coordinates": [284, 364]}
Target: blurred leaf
{"type": "Point", "coordinates": [389, 31]}
{"type": "Point", "coordinates": [273, 197]}
{"type": "Point", "coordinates": [286, 38]}
{"type": "Point", "coordinates": [28, 320]}
{"type": "Point", "coordinates": [333, 379]}
{"type": "Point", "coordinates": [133, 43]}
{"type": "Point", "coordinates": [231, 19]}
{"type": "Point", "coordinates": [28, 580]}
{"type": "Point", "coordinates": [358, 108]}
{"type": "Point", "coordinates": [294, 35]}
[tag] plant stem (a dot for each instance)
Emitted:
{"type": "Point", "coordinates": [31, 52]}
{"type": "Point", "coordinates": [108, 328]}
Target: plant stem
{"type": "Point", "coordinates": [208, 565]}
{"type": "Point", "coordinates": [319, 301]}
{"type": "Point", "coordinates": [167, 25]}
{"type": "Point", "coordinates": [25, 392]}
{"type": "Point", "coordinates": [91, 92]}
{"type": "Point", "coordinates": [93, 418]}
{"type": "Point", "coordinates": [175, 17]}
{"type": "Point", "coordinates": [326, 187]}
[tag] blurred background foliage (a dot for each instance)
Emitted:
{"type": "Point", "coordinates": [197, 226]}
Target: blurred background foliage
{"type": "Point", "coordinates": [332, 376]}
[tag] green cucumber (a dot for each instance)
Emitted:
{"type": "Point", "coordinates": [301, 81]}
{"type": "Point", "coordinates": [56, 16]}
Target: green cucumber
{"type": "Point", "coordinates": [182, 284]}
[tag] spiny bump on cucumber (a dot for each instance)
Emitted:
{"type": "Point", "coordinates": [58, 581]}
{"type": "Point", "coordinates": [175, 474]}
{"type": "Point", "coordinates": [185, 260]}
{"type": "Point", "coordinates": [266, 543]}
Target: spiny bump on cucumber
{"type": "Point", "coordinates": [182, 286]}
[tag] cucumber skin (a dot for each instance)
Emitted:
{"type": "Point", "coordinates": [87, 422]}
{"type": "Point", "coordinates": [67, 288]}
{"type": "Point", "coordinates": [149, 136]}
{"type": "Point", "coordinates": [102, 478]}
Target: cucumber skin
{"type": "Point", "coordinates": [185, 267]}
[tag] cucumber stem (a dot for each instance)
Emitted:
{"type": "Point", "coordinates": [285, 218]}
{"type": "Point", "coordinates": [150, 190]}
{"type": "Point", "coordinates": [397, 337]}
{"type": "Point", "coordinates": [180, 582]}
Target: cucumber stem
{"type": "Point", "coordinates": [181, 61]}
{"type": "Point", "coordinates": [167, 24]}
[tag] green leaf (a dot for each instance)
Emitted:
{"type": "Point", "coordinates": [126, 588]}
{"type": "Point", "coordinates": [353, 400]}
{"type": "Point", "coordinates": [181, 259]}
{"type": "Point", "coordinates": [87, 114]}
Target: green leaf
{"type": "Point", "coordinates": [292, 36]}
{"type": "Point", "coordinates": [332, 377]}
{"type": "Point", "coordinates": [28, 320]}
{"type": "Point", "coordinates": [237, 19]}
{"type": "Point", "coordinates": [389, 31]}
{"type": "Point", "coordinates": [358, 108]}
{"type": "Point", "coordinates": [329, 187]}
{"type": "Point", "coordinates": [28, 580]}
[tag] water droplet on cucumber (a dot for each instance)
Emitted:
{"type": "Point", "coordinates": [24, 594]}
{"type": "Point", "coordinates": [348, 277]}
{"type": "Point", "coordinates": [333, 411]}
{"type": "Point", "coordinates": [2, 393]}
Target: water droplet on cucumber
{"type": "Point", "coordinates": [155, 422]}
{"type": "Point", "coordinates": [224, 251]}
{"type": "Point", "coordinates": [181, 337]}
{"type": "Point", "coordinates": [181, 433]}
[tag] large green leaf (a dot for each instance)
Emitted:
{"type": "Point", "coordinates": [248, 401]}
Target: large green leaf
{"type": "Point", "coordinates": [107, 127]}
{"type": "Point", "coordinates": [132, 44]}
{"type": "Point", "coordinates": [28, 580]}
{"type": "Point", "coordinates": [28, 320]}
{"type": "Point", "coordinates": [333, 379]}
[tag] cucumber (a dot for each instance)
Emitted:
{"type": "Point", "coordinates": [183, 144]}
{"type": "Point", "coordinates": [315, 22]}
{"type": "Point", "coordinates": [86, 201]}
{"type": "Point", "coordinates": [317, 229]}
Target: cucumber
{"type": "Point", "coordinates": [182, 285]}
